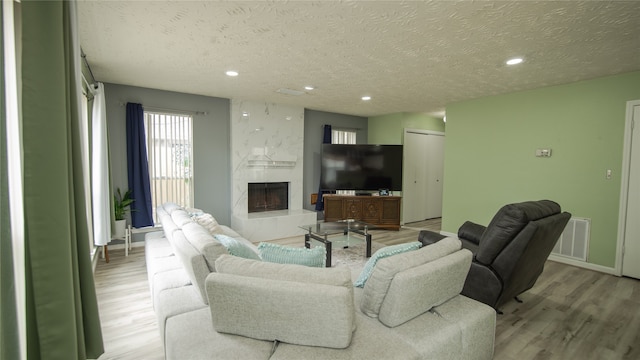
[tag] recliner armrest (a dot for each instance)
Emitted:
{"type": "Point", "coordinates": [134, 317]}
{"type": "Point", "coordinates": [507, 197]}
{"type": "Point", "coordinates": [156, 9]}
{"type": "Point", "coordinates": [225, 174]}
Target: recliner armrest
{"type": "Point", "coordinates": [427, 237]}
{"type": "Point", "coordinates": [471, 231]}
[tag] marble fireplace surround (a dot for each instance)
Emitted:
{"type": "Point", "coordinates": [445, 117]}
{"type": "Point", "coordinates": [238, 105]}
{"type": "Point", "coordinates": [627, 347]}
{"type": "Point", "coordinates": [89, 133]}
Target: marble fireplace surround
{"type": "Point", "coordinates": [267, 145]}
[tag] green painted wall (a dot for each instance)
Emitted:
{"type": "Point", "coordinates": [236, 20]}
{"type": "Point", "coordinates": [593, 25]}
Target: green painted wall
{"type": "Point", "coordinates": [389, 129]}
{"type": "Point", "coordinates": [491, 143]}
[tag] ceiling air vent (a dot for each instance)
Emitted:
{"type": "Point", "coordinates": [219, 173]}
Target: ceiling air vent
{"type": "Point", "coordinates": [290, 92]}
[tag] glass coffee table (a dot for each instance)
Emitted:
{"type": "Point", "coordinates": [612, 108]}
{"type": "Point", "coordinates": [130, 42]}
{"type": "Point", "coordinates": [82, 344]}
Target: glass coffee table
{"type": "Point", "coordinates": [343, 233]}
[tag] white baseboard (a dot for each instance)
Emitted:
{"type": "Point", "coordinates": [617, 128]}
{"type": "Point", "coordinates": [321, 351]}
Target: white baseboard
{"type": "Point", "coordinates": [572, 262]}
{"type": "Point", "coordinates": [584, 265]}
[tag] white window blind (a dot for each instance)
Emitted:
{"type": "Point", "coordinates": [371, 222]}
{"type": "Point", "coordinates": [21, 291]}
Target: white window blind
{"type": "Point", "coordinates": [343, 136]}
{"type": "Point", "coordinates": [169, 151]}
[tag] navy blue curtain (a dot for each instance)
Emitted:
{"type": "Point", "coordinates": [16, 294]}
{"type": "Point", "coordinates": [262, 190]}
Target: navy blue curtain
{"type": "Point", "coordinates": [326, 139]}
{"type": "Point", "coordinates": [138, 168]}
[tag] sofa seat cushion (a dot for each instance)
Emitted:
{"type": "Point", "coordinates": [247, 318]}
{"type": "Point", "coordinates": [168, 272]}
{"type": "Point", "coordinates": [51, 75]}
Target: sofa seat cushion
{"type": "Point", "coordinates": [170, 279]}
{"type": "Point", "coordinates": [477, 323]}
{"type": "Point", "coordinates": [289, 303]}
{"type": "Point", "coordinates": [377, 286]}
{"type": "Point", "coordinates": [159, 265]}
{"type": "Point", "coordinates": [371, 340]}
{"type": "Point", "coordinates": [175, 301]}
{"type": "Point", "coordinates": [157, 247]}
{"type": "Point", "coordinates": [191, 336]}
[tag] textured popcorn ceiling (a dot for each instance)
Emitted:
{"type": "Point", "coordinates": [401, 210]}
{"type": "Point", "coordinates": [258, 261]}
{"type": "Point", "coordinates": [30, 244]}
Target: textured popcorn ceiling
{"type": "Point", "coordinates": [409, 56]}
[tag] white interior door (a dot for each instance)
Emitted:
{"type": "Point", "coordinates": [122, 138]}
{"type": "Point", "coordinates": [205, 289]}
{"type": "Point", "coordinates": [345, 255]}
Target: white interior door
{"type": "Point", "coordinates": [423, 170]}
{"type": "Point", "coordinates": [413, 190]}
{"type": "Point", "coordinates": [631, 255]}
{"type": "Point", "coordinates": [434, 176]}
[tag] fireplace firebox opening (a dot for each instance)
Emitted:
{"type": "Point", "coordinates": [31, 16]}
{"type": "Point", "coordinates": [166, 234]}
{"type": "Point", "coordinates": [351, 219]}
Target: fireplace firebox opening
{"type": "Point", "coordinates": [268, 196]}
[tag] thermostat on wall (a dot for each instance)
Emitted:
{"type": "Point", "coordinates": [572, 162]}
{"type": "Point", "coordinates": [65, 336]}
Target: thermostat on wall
{"type": "Point", "coordinates": [543, 152]}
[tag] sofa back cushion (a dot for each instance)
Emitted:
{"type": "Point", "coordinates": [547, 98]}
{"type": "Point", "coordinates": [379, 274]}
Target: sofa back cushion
{"type": "Point", "coordinates": [507, 223]}
{"type": "Point", "coordinates": [416, 290]}
{"type": "Point", "coordinates": [170, 207]}
{"type": "Point", "coordinates": [291, 303]}
{"type": "Point", "coordinates": [193, 262]}
{"type": "Point", "coordinates": [181, 217]}
{"type": "Point", "coordinates": [377, 286]}
{"type": "Point", "coordinates": [205, 243]}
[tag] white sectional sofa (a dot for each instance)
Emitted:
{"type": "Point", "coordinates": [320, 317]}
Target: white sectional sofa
{"type": "Point", "coordinates": [212, 305]}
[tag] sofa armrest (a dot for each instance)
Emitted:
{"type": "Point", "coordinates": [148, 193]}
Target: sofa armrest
{"type": "Point", "coordinates": [427, 237]}
{"type": "Point", "coordinates": [471, 231]}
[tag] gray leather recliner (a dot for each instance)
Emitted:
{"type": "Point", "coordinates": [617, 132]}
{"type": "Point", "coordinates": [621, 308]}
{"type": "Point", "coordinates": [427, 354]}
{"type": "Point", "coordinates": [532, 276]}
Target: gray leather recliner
{"type": "Point", "coordinates": [509, 253]}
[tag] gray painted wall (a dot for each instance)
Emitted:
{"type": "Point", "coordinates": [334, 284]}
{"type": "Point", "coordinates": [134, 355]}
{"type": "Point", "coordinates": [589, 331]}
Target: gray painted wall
{"type": "Point", "coordinates": [211, 137]}
{"type": "Point", "coordinates": [211, 141]}
{"type": "Point", "coordinates": [313, 121]}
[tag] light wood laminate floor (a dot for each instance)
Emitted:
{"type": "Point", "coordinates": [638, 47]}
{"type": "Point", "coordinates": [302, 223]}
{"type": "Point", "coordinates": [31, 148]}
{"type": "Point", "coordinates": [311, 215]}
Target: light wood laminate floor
{"type": "Point", "coordinates": [570, 313]}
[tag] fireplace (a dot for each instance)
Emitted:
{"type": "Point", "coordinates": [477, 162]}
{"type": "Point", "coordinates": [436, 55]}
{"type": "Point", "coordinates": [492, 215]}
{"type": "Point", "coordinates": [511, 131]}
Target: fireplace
{"type": "Point", "coordinates": [268, 196]}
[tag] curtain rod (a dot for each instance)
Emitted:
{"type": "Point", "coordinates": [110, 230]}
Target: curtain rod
{"type": "Point", "coordinates": [153, 108]}
{"type": "Point", "coordinates": [86, 63]}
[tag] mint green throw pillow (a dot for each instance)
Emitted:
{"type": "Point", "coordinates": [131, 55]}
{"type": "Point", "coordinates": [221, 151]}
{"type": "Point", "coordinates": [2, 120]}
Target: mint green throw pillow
{"type": "Point", "coordinates": [315, 257]}
{"type": "Point", "coordinates": [236, 248]}
{"type": "Point", "coordinates": [383, 253]}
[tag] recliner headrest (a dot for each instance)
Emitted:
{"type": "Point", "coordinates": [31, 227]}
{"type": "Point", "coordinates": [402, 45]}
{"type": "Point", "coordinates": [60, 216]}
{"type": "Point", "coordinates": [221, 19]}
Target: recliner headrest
{"type": "Point", "coordinates": [508, 222]}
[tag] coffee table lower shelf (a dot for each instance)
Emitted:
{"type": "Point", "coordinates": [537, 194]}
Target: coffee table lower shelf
{"type": "Point", "coordinates": [340, 240]}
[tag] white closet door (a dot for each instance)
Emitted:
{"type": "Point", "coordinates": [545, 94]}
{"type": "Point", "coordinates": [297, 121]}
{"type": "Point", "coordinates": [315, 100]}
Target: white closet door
{"type": "Point", "coordinates": [414, 191]}
{"type": "Point", "coordinates": [423, 170]}
{"type": "Point", "coordinates": [434, 176]}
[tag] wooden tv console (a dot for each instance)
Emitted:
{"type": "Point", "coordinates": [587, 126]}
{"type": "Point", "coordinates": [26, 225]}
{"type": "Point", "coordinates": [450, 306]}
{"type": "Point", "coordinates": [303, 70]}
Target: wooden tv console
{"type": "Point", "coordinates": [382, 211]}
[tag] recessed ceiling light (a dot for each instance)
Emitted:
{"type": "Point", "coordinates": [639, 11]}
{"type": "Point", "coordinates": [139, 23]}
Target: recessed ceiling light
{"type": "Point", "coordinates": [514, 61]}
{"type": "Point", "coordinates": [232, 73]}
{"type": "Point", "coordinates": [366, 98]}
{"type": "Point", "coordinates": [309, 87]}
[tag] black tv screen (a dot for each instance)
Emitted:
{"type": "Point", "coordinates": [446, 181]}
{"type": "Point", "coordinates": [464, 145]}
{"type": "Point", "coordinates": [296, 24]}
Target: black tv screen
{"type": "Point", "coordinates": [361, 167]}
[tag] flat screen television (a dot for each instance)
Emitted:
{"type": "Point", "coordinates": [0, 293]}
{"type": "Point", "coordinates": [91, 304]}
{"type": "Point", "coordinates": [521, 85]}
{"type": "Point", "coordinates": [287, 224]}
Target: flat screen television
{"type": "Point", "coordinates": [361, 167]}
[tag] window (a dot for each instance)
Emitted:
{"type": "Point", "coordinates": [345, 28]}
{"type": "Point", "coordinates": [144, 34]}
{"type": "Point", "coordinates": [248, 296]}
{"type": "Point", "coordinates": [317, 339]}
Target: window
{"type": "Point", "coordinates": [343, 136]}
{"type": "Point", "coordinates": [169, 150]}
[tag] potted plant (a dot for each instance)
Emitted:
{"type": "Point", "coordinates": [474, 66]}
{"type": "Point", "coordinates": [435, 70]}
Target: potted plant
{"type": "Point", "coordinates": [120, 205]}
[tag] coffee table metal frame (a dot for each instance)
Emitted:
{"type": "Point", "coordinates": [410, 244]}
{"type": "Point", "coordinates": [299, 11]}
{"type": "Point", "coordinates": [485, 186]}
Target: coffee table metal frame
{"type": "Point", "coordinates": [316, 232]}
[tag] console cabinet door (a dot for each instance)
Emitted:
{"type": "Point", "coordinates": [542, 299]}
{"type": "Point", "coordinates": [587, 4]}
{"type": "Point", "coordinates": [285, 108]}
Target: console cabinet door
{"type": "Point", "coordinates": [371, 209]}
{"type": "Point", "coordinates": [352, 208]}
{"type": "Point", "coordinates": [390, 213]}
{"type": "Point", "coordinates": [332, 208]}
